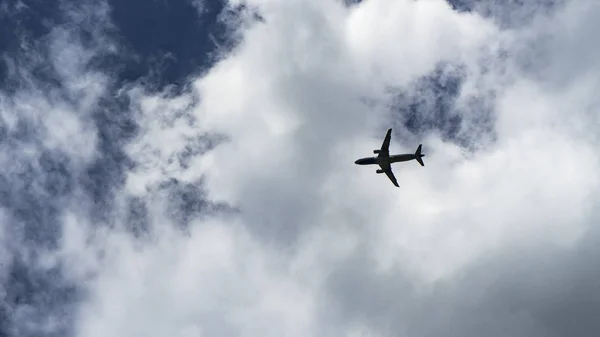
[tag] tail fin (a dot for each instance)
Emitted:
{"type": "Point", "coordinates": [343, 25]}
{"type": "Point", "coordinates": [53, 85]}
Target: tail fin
{"type": "Point", "coordinates": [418, 155]}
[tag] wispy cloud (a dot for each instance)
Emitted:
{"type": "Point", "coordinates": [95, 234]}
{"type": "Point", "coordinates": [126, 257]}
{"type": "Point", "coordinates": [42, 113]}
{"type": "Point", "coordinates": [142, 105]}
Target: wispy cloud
{"type": "Point", "coordinates": [48, 140]}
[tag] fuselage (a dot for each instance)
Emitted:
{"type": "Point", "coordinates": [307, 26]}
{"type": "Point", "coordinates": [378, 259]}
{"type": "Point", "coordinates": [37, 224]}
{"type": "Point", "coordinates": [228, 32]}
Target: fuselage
{"type": "Point", "coordinates": [391, 159]}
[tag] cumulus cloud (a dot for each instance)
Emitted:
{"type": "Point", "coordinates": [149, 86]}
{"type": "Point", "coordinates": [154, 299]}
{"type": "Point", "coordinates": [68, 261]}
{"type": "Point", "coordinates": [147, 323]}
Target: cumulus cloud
{"type": "Point", "coordinates": [238, 209]}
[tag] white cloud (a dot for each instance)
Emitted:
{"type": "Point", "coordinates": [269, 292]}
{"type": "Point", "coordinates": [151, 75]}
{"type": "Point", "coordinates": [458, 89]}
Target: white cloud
{"type": "Point", "coordinates": [323, 247]}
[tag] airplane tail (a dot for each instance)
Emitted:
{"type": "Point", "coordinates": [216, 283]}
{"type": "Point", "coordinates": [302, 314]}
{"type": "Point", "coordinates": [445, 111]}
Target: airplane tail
{"type": "Point", "coordinates": [418, 155]}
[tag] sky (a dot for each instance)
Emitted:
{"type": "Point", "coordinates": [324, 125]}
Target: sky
{"type": "Point", "coordinates": [186, 168]}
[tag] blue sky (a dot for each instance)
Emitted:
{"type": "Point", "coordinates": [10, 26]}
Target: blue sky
{"type": "Point", "coordinates": [184, 168]}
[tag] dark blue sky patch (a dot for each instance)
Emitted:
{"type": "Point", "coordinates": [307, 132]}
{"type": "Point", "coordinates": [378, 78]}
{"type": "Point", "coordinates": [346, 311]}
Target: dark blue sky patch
{"type": "Point", "coordinates": [188, 201]}
{"type": "Point", "coordinates": [57, 180]}
{"type": "Point", "coordinates": [161, 43]}
{"type": "Point", "coordinates": [226, 35]}
{"type": "Point", "coordinates": [34, 193]}
{"type": "Point", "coordinates": [28, 69]}
{"type": "Point", "coordinates": [26, 23]}
{"type": "Point", "coordinates": [6, 327]}
{"type": "Point", "coordinates": [167, 40]}
{"type": "Point", "coordinates": [480, 131]}
{"type": "Point", "coordinates": [430, 105]}
{"type": "Point", "coordinates": [24, 45]}
{"type": "Point", "coordinates": [351, 2]}
{"type": "Point", "coordinates": [115, 127]}
{"type": "Point", "coordinates": [198, 146]}
{"type": "Point", "coordinates": [137, 217]}
{"type": "Point", "coordinates": [33, 296]}
{"type": "Point", "coordinates": [463, 5]}
{"type": "Point", "coordinates": [507, 13]}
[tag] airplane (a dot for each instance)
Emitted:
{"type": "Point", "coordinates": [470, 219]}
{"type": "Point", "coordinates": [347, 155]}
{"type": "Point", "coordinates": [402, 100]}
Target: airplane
{"type": "Point", "coordinates": [384, 160]}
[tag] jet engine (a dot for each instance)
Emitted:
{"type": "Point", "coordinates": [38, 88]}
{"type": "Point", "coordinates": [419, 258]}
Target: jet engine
{"type": "Point", "coordinates": [376, 151]}
{"type": "Point", "coordinates": [379, 171]}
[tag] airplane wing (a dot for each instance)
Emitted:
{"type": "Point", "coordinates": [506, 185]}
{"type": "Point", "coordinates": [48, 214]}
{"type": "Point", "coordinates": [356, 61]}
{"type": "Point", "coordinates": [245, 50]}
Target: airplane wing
{"type": "Point", "coordinates": [385, 147]}
{"type": "Point", "coordinates": [390, 175]}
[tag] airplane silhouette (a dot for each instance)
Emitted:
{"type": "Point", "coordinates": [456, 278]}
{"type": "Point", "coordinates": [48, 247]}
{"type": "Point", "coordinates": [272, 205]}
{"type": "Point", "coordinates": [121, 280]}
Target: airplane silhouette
{"type": "Point", "coordinates": [384, 160]}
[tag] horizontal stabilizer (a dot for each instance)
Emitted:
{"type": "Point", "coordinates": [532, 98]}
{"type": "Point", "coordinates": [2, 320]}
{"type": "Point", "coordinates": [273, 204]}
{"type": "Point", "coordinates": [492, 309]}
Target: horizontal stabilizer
{"type": "Point", "coordinates": [418, 155]}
